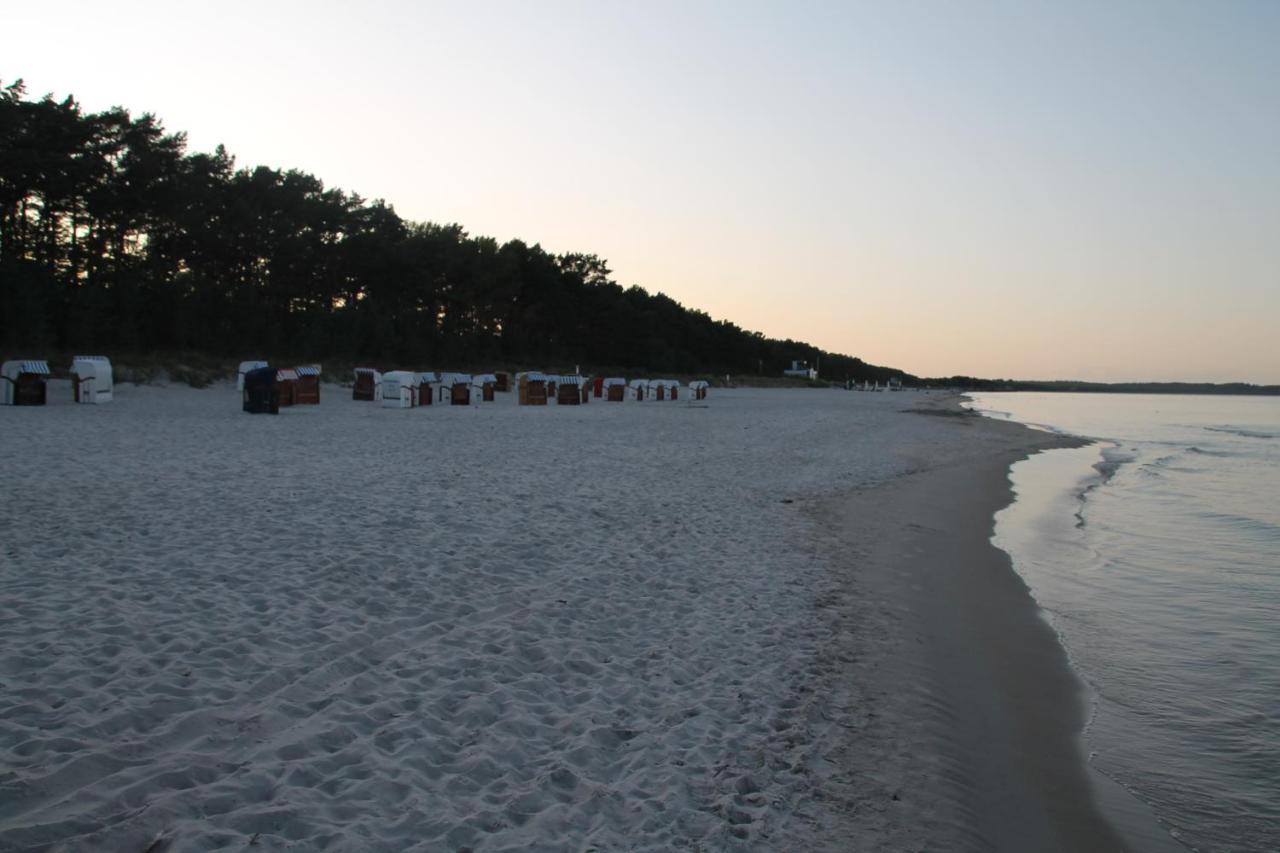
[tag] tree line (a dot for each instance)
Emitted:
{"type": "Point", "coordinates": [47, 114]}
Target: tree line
{"type": "Point", "coordinates": [114, 237]}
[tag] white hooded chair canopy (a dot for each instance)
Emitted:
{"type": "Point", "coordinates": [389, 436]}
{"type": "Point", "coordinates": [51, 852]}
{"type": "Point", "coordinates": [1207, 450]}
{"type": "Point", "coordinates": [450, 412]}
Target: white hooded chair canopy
{"type": "Point", "coordinates": [93, 375]}
{"type": "Point", "coordinates": [399, 389]}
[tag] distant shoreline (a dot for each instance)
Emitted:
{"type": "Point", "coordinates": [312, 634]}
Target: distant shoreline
{"type": "Point", "coordinates": [1227, 388]}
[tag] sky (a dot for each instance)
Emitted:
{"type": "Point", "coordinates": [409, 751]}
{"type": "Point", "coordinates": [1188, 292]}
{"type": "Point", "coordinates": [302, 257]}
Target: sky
{"type": "Point", "coordinates": [1020, 189]}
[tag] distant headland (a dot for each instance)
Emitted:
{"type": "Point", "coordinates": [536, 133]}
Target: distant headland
{"type": "Point", "coordinates": [970, 383]}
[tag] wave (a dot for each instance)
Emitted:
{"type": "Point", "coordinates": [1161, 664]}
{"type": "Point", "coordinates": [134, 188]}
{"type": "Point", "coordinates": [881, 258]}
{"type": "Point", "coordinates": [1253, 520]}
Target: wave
{"type": "Point", "coordinates": [1243, 523]}
{"type": "Point", "coordinates": [1172, 463]}
{"type": "Point", "coordinates": [1241, 431]}
{"type": "Point", "coordinates": [1201, 451]}
{"type": "Point", "coordinates": [1112, 458]}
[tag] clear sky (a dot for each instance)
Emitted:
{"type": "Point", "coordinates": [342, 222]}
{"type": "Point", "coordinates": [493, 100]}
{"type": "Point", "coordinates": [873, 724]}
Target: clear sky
{"type": "Point", "coordinates": [1021, 189]}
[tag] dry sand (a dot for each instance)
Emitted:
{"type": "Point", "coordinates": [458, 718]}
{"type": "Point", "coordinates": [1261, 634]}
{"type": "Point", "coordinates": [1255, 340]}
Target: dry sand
{"type": "Point", "coordinates": [613, 627]}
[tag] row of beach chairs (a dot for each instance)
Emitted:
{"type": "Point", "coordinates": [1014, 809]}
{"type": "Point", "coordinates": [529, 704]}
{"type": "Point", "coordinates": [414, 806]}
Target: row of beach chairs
{"type": "Point", "coordinates": [407, 389]}
{"type": "Point", "coordinates": [25, 382]}
{"type": "Point", "coordinates": [266, 389]}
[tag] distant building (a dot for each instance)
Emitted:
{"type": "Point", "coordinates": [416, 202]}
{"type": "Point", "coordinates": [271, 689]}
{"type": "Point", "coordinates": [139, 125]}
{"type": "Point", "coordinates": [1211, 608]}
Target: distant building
{"type": "Point", "coordinates": [802, 370]}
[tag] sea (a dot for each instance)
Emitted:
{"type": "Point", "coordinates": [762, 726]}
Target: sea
{"type": "Point", "coordinates": [1155, 554]}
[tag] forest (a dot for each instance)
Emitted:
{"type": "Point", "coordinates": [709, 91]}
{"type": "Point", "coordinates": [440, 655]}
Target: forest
{"type": "Point", "coordinates": [115, 238]}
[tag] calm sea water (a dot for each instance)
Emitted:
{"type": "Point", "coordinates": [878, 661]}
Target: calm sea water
{"type": "Point", "coordinates": [1156, 554]}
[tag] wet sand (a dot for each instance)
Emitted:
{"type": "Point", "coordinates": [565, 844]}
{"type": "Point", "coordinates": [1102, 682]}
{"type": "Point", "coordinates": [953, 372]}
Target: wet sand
{"type": "Point", "coordinates": [997, 710]}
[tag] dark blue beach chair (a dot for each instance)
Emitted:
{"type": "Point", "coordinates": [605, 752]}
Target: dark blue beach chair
{"type": "Point", "coordinates": [261, 397]}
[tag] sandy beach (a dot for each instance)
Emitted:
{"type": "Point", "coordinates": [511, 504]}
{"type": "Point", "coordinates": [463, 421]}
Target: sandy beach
{"type": "Point", "coordinates": [773, 622]}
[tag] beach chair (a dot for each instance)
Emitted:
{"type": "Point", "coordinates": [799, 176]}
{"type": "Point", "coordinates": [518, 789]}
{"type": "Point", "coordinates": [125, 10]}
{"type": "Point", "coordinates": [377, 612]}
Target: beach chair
{"type": "Point", "coordinates": [568, 391]}
{"type": "Point", "coordinates": [91, 379]}
{"type": "Point", "coordinates": [531, 389]}
{"type": "Point", "coordinates": [458, 388]}
{"type": "Point", "coordinates": [25, 382]}
{"type": "Point", "coordinates": [306, 389]}
{"type": "Point", "coordinates": [368, 384]}
{"type": "Point", "coordinates": [427, 381]}
{"type": "Point", "coordinates": [487, 383]}
{"type": "Point", "coordinates": [259, 392]}
{"type": "Point", "coordinates": [245, 367]}
{"type": "Point", "coordinates": [286, 386]}
{"type": "Point", "coordinates": [615, 389]}
{"type": "Point", "coordinates": [399, 389]}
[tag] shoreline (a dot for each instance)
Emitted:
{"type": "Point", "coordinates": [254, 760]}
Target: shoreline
{"type": "Point", "coordinates": [990, 686]}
